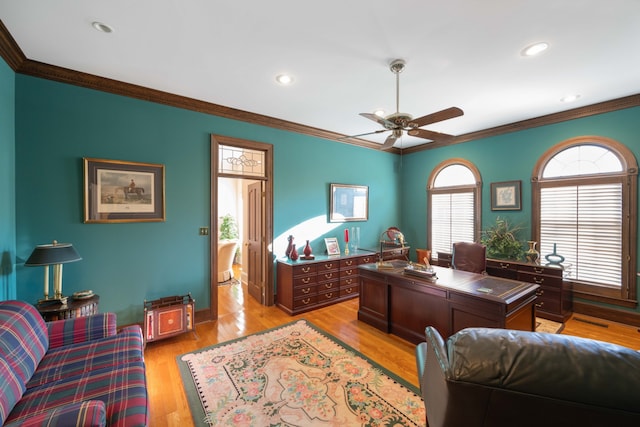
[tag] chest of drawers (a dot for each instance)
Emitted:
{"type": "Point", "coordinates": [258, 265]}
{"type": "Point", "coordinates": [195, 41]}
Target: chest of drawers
{"type": "Point", "coordinates": [306, 285]}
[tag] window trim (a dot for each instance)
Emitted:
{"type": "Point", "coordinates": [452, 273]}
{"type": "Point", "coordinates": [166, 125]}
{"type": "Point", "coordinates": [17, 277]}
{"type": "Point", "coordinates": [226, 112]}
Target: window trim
{"type": "Point", "coordinates": [627, 295]}
{"type": "Point", "coordinates": [475, 188]}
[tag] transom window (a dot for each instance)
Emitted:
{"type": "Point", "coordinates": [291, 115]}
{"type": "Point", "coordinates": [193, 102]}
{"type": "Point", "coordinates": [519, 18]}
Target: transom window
{"type": "Point", "coordinates": [453, 205]}
{"type": "Point", "coordinates": [584, 194]}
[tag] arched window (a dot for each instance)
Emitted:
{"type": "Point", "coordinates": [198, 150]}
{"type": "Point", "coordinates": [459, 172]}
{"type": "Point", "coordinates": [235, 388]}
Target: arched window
{"type": "Point", "coordinates": [453, 205]}
{"type": "Point", "coordinates": [584, 207]}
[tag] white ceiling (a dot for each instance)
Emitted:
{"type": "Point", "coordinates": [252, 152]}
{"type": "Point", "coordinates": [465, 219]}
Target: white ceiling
{"type": "Point", "coordinates": [463, 53]}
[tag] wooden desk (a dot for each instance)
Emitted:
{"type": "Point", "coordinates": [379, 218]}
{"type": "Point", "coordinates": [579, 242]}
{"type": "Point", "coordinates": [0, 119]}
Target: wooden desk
{"type": "Point", "coordinates": [404, 305]}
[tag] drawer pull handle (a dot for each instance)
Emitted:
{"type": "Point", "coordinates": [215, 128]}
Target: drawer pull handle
{"type": "Point", "coordinates": [170, 321]}
{"type": "Point", "coordinates": [349, 262]}
{"type": "Point", "coordinates": [538, 280]}
{"type": "Point", "coordinates": [328, 266]}
{"type": "Point", "coordinates": [540, 292]}
{"type": "Point", "coordinates": [306, 301]}
{"type": "Point", "coordinates": [349, 272]}
{"type": "Point", "coordinates": [329, 295]}
{"type": "Point", "coordinates": [365, 260]}
{"type": "Point", "coordinates": [306, 280]}
{"type": "Point", "coordinates": [540, 304]}
{"type": "Point", "coordinates": [306, 290]}
{"type": "Point", "coordinates": [538, 270]}
{"type": "Point", "coordinates": [328, 275]}
{"type": "Point", "coordinates": [328, 285]}
{"type": "Point", "coordinates": [349, 281]}
{"type": "Point", "coordinates": [504, 265]}
{"type": "Point", "coordinates": [306, 269]}
{"type": "Point", "coordinates": [348, 290]}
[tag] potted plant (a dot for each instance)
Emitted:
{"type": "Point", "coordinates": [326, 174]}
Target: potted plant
{"type": "Point", "coordinates": [501, 240]}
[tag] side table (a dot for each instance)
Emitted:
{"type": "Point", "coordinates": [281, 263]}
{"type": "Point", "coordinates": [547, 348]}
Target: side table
{"type": "Point", "coordinates": [73, 308]}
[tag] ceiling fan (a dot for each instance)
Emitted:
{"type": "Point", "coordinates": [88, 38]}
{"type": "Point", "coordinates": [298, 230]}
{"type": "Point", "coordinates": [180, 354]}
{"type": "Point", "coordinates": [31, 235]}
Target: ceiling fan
{"type": "Point", "coordinates": [399, 122]}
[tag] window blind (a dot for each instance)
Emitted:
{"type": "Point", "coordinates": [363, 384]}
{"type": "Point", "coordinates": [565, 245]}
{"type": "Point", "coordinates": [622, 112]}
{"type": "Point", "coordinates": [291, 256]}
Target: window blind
{"type": "Point", "coordinates": [452, 220]}
{"type": "Point", "coordinates": [585, 223]}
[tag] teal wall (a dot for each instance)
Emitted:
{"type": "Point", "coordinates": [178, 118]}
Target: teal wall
{"type": "Point", "coordinates": [7, 181]}
{"type": "Point", "coordinates": [58, 124]}
{"type": "Point", "coordinates": [506, 158]}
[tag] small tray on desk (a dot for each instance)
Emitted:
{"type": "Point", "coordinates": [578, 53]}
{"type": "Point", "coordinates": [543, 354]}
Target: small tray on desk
{"type": "Point", "coordinates": [420, 271]}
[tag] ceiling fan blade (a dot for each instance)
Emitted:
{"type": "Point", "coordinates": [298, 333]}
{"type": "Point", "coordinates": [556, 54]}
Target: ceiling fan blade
{"type": "Point", "coordinates": [438, 116]}
{"type": "Point", "coordinates": [387, 124]}
{"type": "Point", "coordinates": [391, 139]}
{"type": "Point", "coordinates": [364, 134]}
{"type": "Point", "coordinates": [429, 134]}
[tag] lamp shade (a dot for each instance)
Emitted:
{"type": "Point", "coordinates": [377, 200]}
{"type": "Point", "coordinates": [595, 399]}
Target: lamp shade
{"type": "Point", "coordinates": [55, 253]}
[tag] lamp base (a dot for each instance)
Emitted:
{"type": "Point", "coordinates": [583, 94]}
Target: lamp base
{"type": "Point", "coordinates": [52, 301]}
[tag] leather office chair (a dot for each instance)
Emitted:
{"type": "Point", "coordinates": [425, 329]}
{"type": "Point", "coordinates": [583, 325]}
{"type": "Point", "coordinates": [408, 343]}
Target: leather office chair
{"type": "Point", "coordinates": [468, 256]}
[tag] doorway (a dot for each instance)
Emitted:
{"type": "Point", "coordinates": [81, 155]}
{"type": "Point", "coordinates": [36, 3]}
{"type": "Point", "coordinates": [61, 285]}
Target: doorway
{"type": "Point", "coordinates": [251, 162]}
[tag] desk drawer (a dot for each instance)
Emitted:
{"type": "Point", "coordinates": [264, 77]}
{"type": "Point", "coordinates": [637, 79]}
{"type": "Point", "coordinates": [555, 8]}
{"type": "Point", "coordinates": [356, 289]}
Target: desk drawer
{"type": "Point", "coordinates": [367, 259]}
{"type": "Point", "coordinates": [547, 282]}
{"type": "Point", "coordinates": [305, 291]}
{"type": "Point", "coordinates": [349, 281]}
{"type": "Point", "coordinates": [349, 290]}
{"type": "Point", "coordinates": [304, 269]}
{"type": "Point", "coordinates": [328, 296]}
{"type": "Point", "coordinates": [306, 301]}
{"type": "Point", "coordinates": [328, 286]}
{"type": "Point", "coordinates": [349, 272]}
{"type": "Point", "coordinates": [304, 281]}
{"type": "Point", "coordinates": [348, 263]}
{"type": "Point", "coordinates": [328, 266]}
{"type": "Point", "coordinates": [326, 276]}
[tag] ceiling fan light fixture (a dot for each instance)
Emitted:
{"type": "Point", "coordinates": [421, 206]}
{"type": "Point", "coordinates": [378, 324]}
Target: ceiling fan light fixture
{"type": "Point", "coordinates": [284, 79]}
{"type": "Point", "coordinates": [535, 49]}
{"type": "Point", "coordinates": [379, 113]}
{"type": "Point", "coordinates": [102, 27]}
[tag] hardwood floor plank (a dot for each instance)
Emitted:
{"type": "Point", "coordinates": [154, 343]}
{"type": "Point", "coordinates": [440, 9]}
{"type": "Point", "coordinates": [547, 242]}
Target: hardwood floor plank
{"type": "Point", "coordinates": [240, 316]}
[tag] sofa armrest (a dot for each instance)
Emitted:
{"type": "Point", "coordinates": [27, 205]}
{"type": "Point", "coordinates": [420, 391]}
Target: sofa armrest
{"type": "Point", "coordinates": [81, 329]}
{"type": "Point", "coordinates": [90, 413]}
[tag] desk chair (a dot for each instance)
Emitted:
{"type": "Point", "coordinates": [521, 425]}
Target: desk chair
{"type": "Point", "coordinates": [468, 256]}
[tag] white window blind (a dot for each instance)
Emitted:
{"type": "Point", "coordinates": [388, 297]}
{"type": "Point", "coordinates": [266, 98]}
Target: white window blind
{"type": "Point", "coordinates": [585, 223]}
{"type": "Point", "coordinates": [452, 220]}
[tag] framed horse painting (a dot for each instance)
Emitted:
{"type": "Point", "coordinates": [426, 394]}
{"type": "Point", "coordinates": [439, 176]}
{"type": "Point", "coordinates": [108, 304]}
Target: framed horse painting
{"type": "Point", "coordinates": [121, 191]}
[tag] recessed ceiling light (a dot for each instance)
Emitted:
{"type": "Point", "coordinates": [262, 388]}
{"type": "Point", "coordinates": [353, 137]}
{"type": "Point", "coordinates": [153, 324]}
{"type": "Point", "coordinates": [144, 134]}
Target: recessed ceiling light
{"type": "Point", "coordinates": [284, 79]}
{"type": "Point", "coordinates": [103, 28]}
{"type": "Point", "coordinates": [569, 98]}
{"type": "Point", "coordinates": [535, 49]}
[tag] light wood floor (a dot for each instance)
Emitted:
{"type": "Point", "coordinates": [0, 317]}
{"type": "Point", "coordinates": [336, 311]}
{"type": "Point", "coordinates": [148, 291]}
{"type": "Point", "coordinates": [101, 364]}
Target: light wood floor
{"type": "Point", "coordinates": [240, 315]}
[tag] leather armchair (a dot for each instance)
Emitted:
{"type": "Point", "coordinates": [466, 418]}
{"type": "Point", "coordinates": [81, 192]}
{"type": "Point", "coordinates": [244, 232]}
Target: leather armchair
{"type": "Point", "coordinates": [469, 256]}
{"type": "Point", "coordinates": [497, 377]}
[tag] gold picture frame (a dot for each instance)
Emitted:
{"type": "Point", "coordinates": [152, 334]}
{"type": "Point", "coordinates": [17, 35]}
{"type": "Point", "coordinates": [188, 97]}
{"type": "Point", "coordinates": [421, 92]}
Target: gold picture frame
{"type": "Point", "coordinates": [348, 203]}
{"type": "Point", "coordinates": [122, 191]}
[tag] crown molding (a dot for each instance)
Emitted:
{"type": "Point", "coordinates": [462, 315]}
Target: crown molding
{"type": "Point", "coordinates": [15, 58]}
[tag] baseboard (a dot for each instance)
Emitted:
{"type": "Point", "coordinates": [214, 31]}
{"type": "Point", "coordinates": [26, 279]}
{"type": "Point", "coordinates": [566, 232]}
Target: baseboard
{"type": "Point", "coordinates": [612, 314]}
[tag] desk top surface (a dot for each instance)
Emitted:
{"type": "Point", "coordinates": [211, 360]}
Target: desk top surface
{"type": "Point", "coordinates": [479, 285]}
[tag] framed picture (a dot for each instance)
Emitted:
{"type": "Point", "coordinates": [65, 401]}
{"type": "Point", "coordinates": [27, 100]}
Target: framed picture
{"type": "Point", "coordinates": [348, 203]}
{"type": "Point", "coordinates": [333, 248]}
{"type": "Point", "coordinates": [505, 196]}
{"type": "Point", "coordinates": [120, 191]}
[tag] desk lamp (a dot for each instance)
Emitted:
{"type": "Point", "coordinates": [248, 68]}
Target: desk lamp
{"type": "Point", "coordinates": [54, 254]}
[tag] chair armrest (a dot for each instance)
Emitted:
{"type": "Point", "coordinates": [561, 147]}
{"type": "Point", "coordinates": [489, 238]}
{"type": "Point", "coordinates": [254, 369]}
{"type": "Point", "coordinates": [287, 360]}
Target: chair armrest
{"type": "Point", "coordinates": [81, 329]}
{"type": "Point", "coordinates": [90, 413]}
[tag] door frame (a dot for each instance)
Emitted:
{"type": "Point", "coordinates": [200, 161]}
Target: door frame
{"type": "Point", "coordinates": [216, 141]}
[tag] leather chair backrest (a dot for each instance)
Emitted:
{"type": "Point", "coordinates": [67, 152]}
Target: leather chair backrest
{"type": "Point", "coordinates": [469, 256]}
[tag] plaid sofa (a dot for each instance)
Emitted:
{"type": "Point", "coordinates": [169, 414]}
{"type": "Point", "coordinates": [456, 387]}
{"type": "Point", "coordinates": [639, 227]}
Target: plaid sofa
{"type": "Point", "coordinates": [74, 372]}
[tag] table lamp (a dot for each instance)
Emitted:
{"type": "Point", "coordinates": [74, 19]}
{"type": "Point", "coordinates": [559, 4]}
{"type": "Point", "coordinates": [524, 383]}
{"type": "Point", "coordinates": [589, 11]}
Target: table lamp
{"type": "Point", "coordinates": [54, 254]}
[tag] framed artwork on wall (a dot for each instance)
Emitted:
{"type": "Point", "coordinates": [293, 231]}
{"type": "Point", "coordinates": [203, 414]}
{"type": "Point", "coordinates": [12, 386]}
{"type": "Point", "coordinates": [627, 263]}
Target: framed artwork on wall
{"type": "Point", "coordinates": [505, 196]}
{"type": "Point", "coordinates": [121, 191]}
{"type": "Point", "coordinates": [348, 203]}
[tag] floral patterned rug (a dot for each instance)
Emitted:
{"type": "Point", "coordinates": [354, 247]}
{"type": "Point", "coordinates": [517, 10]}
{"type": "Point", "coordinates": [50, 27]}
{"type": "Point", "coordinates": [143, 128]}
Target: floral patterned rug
{"type": "Point", "coordinates": [294, 375]}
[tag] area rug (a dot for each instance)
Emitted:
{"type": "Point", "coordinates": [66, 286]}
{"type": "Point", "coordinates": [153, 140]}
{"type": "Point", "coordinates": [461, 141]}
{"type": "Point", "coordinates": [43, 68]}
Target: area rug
{"type": "Point", "coordinates": [232, 281]}
{"type": "Point", "coordinates": [294, 375]}
{"type": "Point", "coordinates": [549, 326]}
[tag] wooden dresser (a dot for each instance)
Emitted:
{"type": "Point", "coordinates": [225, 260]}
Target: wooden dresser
{"type": "Point", "coordinates": [554, 296]}
{"type": "Point", "coordinates": [306, 285]}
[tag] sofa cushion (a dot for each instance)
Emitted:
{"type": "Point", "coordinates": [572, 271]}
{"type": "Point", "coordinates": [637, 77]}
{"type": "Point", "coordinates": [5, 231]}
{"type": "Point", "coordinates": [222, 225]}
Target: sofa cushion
{"type": "Point", "coordinates": [91, 413]}
{"type": "Point", "coordinates": [71, 361]}
{"type": "Point", "coordinates": [559, 366]}
{"type": "Point", "coordinates": [23, 337]}
{"type": "Point", "coordinates": [121, 388]}
{"type": "Point", "coordinates": [81, 329]}
{"type": "Point", "coordinates": [11, 389]}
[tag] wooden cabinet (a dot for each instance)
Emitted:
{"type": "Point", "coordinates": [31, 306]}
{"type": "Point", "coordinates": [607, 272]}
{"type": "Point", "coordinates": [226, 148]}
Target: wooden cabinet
{"type": "Point", "coordinates": [169, 316]}
{"type": "Point", "coordinates": [554, 296]}
{"type": "Point", "coordinates": [75, 307]}
{"type": "Point", "coordinates": [307, 285]}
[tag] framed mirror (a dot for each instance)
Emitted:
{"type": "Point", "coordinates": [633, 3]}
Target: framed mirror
{"type": "Point", "coordinates": [349, 203]}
